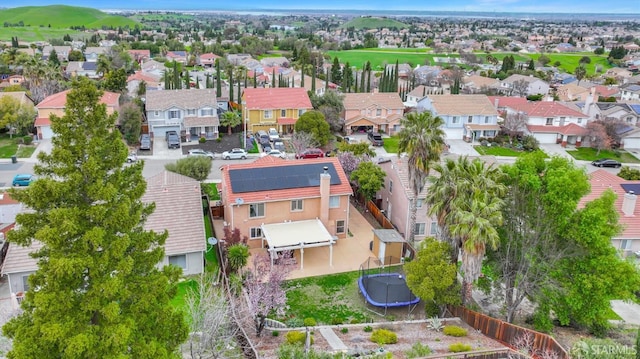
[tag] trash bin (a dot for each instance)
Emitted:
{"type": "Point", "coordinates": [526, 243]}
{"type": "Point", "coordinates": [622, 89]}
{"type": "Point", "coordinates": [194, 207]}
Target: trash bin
{"type": "Point", "coordinates": [14, 159]}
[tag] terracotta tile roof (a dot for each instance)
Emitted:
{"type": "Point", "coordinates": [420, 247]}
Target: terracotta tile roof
{"type": "Point", "coordinates": [209, 56]}
{"type": "Point", "coordinates": [5, 199]}
{"type": "Point", "coordinates": [178, 210]}
{"type": "Point", "coordinates": [568, 130]}
{"type": "Point", "coordinates": [462, 105]}
{"type": "Point", "coordinates": [547, 109]}
{"type": "Point", "coordinates": [508, 101]}
{"type": "Point", "coordinates": [358, 101]}
{"type": "Point", "coordinates": [277, 98]}
{"type": "Point", "coordinates": [601, 180]}
{"type": "Point", "coordinates": [59, 100]}
{"type": "Point", "coordinates": [187, 98]}
{"type": "Point", "coordinates": [344, 188]}
{"type": "Point", "coordinates": [139, 53]}
{"type": "Point", "coordinates": [420, 91]}
{"type": "Point", "coordinates": [286, 121]}
{"type": "Point", "coordinates": [42, 121]}
{"type": "Point", "coordinates": [143, 76]}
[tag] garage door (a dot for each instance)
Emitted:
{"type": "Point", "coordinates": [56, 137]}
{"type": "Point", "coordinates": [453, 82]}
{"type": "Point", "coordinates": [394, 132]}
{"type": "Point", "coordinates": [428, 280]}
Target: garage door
{"type": "Point", "coordinates": [454, 133]}
{"type": "Point", "coordinates": [46, 131]}
{"type": "Point", "coordinates": [631, 142]}
{"type": "Point", "coordinates": [159, 131]}
{"type": "Point", "coordinates": [546, 137]}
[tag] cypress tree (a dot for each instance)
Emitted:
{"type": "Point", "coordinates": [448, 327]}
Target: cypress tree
{"type": "Point", "coordinates": [326, 82]}
{"type": "Point", "coordinates": [302, 77]}
{"type": "Point", "coordinates": [395, 77]}
{"type": "Point", "coordinates": [273, 78]}
{"type": "Point", "coordinates": [218, 79]}
{"type": "Point", "coordinates": [313, 78]}
{"type": "Point", "coordinates": [255, 79]}
{"type": "Point", "coordinates": [231, 85]}
{"type": "Point", "coordinates": [239, 94]}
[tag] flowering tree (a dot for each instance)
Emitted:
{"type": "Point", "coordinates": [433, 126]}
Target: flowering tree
{"type": "Point", "coordinates": [349, 162]}
{"type": "Point", "coordinates": [264, 289]}
{"type": "Point", "coordinates": [598, 136]}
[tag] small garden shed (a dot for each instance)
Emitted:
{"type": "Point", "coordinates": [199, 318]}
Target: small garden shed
{"type": "Point", "coordinates": [388, 246]}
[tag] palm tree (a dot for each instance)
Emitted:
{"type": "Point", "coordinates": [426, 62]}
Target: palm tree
{"type": "Point", "coordinates": [467, 200]}
{"type": "Point", "coordinates": [422, 138]}
{"type": "Point", "coordinates": [230, 119]}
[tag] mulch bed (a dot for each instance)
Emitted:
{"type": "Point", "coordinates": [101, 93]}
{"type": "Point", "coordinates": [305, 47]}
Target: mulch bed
{"type": "Point", "coordinates": [226, 142]}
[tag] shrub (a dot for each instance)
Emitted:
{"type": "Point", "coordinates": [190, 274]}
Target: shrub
{"type": "Point", "coordinates": [202, 140]}
{"type": "Point", "coordinates": [454, 331]}
{"type": "Point", "coordinates": [310, 322]}
{"type": "Point", "coordinates": [298, 338]}
{"type": "Point", "coordinates": [27, 140]}
{"type": "Point", "coordinates": [459, 347]}
{"type": "Point", "coordinates": [435, 323]}
{"type": "Point", "coordinates": [275, 333]}
{"type": "Point", "coordinates": [384, 336]}
{"type": "Point", "coordinates": [418, 350]}
{"type": "Point", "coordinates": [337, 321]}
{"type": "Point", "coordinates": [354, 321]}
{"type": "Point", "coordinates": [530, 143]}
{"type": "Point", "coordinates": [368, 329]}
{"type": "Point", "coordinates": [294, 323]}
{"type": "Point", "coordinates": [344, 330]}
{"type": "Point", "coordinates": [431, 309]}
{"type": "Point", "coordinates": [630, 174]}
{"type": "Point", "coordinates": [219, 139]}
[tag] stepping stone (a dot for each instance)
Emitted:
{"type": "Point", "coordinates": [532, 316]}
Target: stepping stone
{"type": "Point", "coordinates": [333, 340]}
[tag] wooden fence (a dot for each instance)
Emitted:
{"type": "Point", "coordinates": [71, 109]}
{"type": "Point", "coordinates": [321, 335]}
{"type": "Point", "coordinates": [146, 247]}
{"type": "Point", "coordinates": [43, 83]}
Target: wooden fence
{"type": "Point", "coordinates": [508, 333]}
{"type": "Point", "coordinates": [481, 354]}
{"type": "Point", "coordinates": [408, 250]}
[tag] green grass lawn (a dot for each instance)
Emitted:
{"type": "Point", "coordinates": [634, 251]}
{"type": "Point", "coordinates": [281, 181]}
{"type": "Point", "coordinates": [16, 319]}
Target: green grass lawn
{"type": "Point", "coordinates": [26, 151]}
{"type": "Point", "coordinates": [378, 58]}
{"type": "Point", "coordinates": [211, 257]}
{"type": "Point", "coordinates": [9, 147]}
{"type": "Point", "coordinates": [590, 154]}
{"type": "Point", "coordinates": [391, 144]}
{"type": "Point", "coordinates": [497, 151]}
{"type": "Point", "coordinates": [179, 301]}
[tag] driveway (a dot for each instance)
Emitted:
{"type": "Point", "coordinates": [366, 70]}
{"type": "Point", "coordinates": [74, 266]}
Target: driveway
{"type": "Point", "coordinates": [628, 311]}
{"type": "Point", "coordinates": [162, 151]}
{"type": "Point", "coordinates": [461, 148]}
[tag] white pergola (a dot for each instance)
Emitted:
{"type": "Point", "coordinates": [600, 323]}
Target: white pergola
{"type": "Point", "coordinates": [297, 235]}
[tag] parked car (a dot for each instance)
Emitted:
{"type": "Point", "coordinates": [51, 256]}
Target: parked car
{"type": "Point", "coordinates": [266, 147]}
{"type": "Point", "coordinates": [132, 157]}
{"type": "Point", "coordinates": [196, 152]}
{"type": "Point", "coordinates": [234, 154]}
{"type": "Point", "coordinates": [170, 133]}
{"type": "Point", "coordinates": [310, 153]}
{"type": "Point", "coordinates": [375, 138]}
{"type": "Point", "coordinates": [606, 162]}
{"type": "Point", "coordinates": [277, 153]}
{"type": "Point", "coordinates": [23, 180]}
{"type": "Point", "coordinates": [273, 134]}
{"type": "Point", "coordinates": [263, 137]}
{"type": "Point", "coordinates": [173, 140]}
{"type": "Point", "coordinates": [279, 145]}
{"type": "Point", "coordinates": [145, 141]}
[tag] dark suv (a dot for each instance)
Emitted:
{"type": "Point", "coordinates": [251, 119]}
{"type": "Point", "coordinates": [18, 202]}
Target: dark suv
{"type": "Point", "coordinates": [375, 138]}
{"type": "Point", "coordinates": [173, 140]}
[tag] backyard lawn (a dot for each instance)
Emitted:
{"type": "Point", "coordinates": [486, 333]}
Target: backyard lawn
{"type": "Point", "coordinates": [590, 154]}
{"type": "Point", "coordinates": [391, 144]}
{"type": "Point", "coordinates": [179, 301]}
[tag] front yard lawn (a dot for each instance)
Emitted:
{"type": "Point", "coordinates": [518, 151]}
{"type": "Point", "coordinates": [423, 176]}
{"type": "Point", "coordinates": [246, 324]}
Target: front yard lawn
{"type": "Point", "coordinates": [9, 147]}
{"type": "Point", "coordinates": [391, 144]}
{"type": "Point", "coordinates": [495, 150]}
{"type": "Point", "coordinates": [589, 154]}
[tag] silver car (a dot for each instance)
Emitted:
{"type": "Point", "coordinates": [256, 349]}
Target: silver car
{"type": "Point", "coordinates": [200, 153]}
{"type": "Point", "coordinates": [234, 154]}
{"type": "Point", "coordinates": [277, 153]}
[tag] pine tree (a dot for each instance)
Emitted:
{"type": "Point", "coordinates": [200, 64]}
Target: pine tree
{"type": "Point", "coordinates": [99, 290]}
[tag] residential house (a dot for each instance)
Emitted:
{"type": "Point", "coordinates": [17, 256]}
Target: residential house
{"type": "Point", "coordinates": [630, 138]}
{"type": "Point", "coordinates": [395, 199]}
{"type": "Point", "coordinates": [572, 92]}
{"type": "Point", "coordinates": [619, 74]}
{"type": "Point", "coordinates": [520, 85]}
{"type": "Point", "coordinates": [61, 51]}
{"type": "Point", "coordinates": [177, 56]}
{"type": "Point", "coordinates": [468, 117]}
{"type": "Point", "coordinates": [9, 208]}
{"type": "Point", "coordinates": [207, 60]}
{"type": "Point", "coordinates": [82, 68]}
{"type": "Point", "coordinates": [279, 108]}
{"type": "Point", "coordinates": [178, 202]}
{"type": "Point", "coordinates": [416, 95]}
{"type": "Point", "coordinates": [479, 84]}
{"type": "Point", "coordinates": [154, 67]}
{"type": "Point", "coordinates": [628, 241]}
{"type": "Point", "coordinates": [91, 54]}
{"type": "Point", "coordinates": [194, 111]}
{"type": "Point", "coordinates": [153, 82]}
{"type": "Point", "coordinates": [619, 111]}
{"type": "Point", "coordinates": [404, 70]}
{"type": "Point", "coordinates": [55, 104]}
{"type": "Point", "coordinates": [377, 111]}
{"type": "Point", "coordinates": [140, 55]}
{"type": "Point", "coordinates": [630, 92]}
{"type": "Point", "coordinates": [294, 205]}
{"type": "Point", "coordinates": [13, 80]}
{"type": "Point", "coordinates": [275, 62]}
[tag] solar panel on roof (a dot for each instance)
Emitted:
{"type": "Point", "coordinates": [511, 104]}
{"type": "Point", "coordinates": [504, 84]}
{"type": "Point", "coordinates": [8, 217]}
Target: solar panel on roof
{"type": "Point", "coordinates": [280, 177]}
{"type": "Point", "coordinates": [628, 187]}
{"type": "Point", "coordinates": [635, 108]}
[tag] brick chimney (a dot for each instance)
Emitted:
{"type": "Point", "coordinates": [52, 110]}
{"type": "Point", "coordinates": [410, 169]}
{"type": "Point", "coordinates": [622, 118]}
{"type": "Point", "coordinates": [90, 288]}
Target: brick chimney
{"type": "Point", "coordinates": [629, 204]}
{"type": "Point", "coordinates": [325, 193]}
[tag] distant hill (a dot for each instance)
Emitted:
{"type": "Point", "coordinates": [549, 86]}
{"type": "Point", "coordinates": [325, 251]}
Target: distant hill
{"type": "Point", "coordinates": [62, 16]}
{"type": "Point", "coordinates": [360, 23]}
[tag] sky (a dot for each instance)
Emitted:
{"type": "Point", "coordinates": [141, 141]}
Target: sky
{"type": "Point", "coordinates": [523, 6]}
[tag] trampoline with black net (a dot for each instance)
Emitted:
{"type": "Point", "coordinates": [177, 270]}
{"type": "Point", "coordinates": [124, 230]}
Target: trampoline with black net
{"type": "Point", "coordinates": [385, 286]}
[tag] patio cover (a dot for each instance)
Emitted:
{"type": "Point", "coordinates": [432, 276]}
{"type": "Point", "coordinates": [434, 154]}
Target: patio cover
{"type": "Point", "coordinates": [297, 235]}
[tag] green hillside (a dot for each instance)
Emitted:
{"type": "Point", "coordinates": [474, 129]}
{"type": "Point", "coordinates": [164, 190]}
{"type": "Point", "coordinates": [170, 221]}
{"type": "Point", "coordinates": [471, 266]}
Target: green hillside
{"type": "Point", "coordinates": [360, 23]}
{"type": "Point", "coordinates": [61, 16]}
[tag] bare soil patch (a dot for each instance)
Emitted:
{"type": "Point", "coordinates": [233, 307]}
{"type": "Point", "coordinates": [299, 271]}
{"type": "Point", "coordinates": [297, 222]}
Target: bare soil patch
{"type": "Point", "coordinates": [225, 143]}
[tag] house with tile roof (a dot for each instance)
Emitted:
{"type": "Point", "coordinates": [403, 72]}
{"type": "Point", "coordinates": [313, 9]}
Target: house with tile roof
{"type": "Point", "coordinates": [56, 103]}
{"type": "Point", "coordinates": [12, 80]}
{"type": "Point", "coordinates": [194, 111]}
{"type": "Point", "coordinates": [395, 199]}
{"type": "Point", "coordinates": [628, 241]}
{"type": "Point", "coordinates": [287, 204]}
{"type": "Point", "coordinates": [139, 55]}
{"type": "Point", "coordinates": [279, 108]}
{"type": "Point", "coordinates": [376, 111]}
{"type": "Point", "coordinates": [178, 201]}
{"type": "Point", "coordinates": [177, 56]}
{"type": "Point", "coordinates": [207, 60]}
{"type": "Point", "coordinates": [153, 82]}
{"type": "Point", "coordinates": [416, 95]}
{"type": "Point", "coordinates": [467, 117]}
{"type": "Point", "coordinates": [523, 86]}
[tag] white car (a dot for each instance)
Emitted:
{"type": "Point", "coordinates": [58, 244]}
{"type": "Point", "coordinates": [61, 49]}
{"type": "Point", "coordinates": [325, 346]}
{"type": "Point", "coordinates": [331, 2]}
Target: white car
{"type": "Point", "coordinates": [200, 153]}
{"type": "Point", "coordinates": [277, 153]}
{"type": "Point", "coordinates": [132, 157]}
{"type": "Point", "coordinates": [234, 154]}
{"type": "Point", "coordinates": [273, 135]}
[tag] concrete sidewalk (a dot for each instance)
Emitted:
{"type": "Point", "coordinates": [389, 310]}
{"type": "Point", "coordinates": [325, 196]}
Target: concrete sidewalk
{"type": "Point", "coordinates": [628, 311]}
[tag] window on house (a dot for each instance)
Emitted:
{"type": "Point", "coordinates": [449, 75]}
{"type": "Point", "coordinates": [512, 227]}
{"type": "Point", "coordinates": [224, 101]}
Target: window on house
{"type": "Point", "coordinates": [174, 114]}
{"type": "Point", "coordinates": [625, 244]}
{"type": "Point", "coordinates": [340, 227]}
{"type": "Point", "coordinates": [419, 203]}
{"type": "Point", "coordinates": [25, 283]}
{"type": "Point", "coordinates": [486, 119]}
{"type": "Point", "coordinates": [629, 119]}
{"type": "Point", "coordinates": [179, 261]}
{"type": "Point", "coordinates": [434, 228]}
{"type": "Point", "coordinates": [420, 229]}
{"type": "Point", "coordinates": [378, 112]}
{"type": "Point", "coordinates": [296, 205]}
{"type": "Point", "coordinates": [206, 112]}
{"type": "Point", "coordinates": [191, 112]}
{"type": "Point", "coordinates": [256, 210]}
{"type": "Point", "coordinates": [255, 233]}
{"type": "Point", "coordinates": [300, 112]}
{"type": "Point", "coordinates": [390, 186]}
{"type": "Point", "coordinates": [469, 119]}
{"type": "Point", "coordinates": [597, 116]}
{"type": "Point", "coordinates": [334, 201]}
{"type": "Point", "coordinates": [156, 113]}
{"type": "Point", "coordinates": [268, 114]}
{"type": "Point", "coordinates": [579, 121]}
{"type": "Point", "coordinates": [455, 119]}
{"type": "Point", "coordinates": [549, 122]}
{"type": "Point", "coordinates": [283, 113]}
